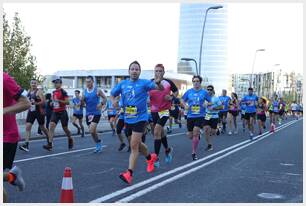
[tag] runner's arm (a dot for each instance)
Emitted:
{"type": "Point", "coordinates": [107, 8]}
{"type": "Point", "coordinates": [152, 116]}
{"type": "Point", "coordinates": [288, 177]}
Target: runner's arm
{"type": "Point", "coordinates": [104, 99]}
{"type": "Point", "coordinates": [42, 98]}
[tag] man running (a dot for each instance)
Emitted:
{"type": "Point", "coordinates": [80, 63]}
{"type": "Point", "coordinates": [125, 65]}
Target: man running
{"type": "Point", "coordinates": [195, 98]}
{"type": "Point", "coordinates": [174, 114]}
{"type": "Point", "coordinates": [134, 96]}
{"type": "Point", "coordinates": [275, 113]}
{"type": "Point", "coordinates": [242, 109]}
{"type": "Point", "coordinates": [36, 112]}
{"type": "Point", "coordinates": [223, 113]}
{"type": "Point", "coordinates": [59, 101]}
{"type": "Point", "coordinates": [111, 113]}
{"type": "Point", "coordinates": [120, 125]}
{"type": "Point", "coordinates": [14, 101]}
{"type": "Point", "coordinates": [78, 113]}
{"type": "Point", "coordinates": [294, 110]}
{"type": "Point", "coordinates": [91, 97]}
{"type": "Point", "coordinates": [160, 103]}
{"type": "Point", "coordinates": [282, 105]}
{"type": "Point", "coordinates": [250, 110]}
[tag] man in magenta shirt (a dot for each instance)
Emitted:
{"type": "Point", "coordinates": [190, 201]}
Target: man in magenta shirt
{"type": "Point", "coordinates": [14, 101]}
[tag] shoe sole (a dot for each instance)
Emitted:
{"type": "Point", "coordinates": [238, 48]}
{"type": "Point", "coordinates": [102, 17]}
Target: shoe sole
{"type": "Point", "coordinates": [23, 149]}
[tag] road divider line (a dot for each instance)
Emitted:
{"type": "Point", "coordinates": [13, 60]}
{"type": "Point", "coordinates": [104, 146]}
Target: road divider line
{"type": "Point", "coordinates": [140, 184]}
{"type": "Point", "coordinates": [176, 177]}
{"type": "Point", "coordinates": [57, 154]}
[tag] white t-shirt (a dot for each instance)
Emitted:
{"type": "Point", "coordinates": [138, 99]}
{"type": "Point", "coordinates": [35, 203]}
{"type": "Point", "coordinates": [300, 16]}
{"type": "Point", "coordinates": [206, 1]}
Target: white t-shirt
{"type": "Point", "coordinates": [294, 106]}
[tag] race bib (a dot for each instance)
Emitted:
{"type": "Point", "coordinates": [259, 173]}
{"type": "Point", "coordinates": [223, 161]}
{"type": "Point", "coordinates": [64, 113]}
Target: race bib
{"type": "Point", "coordinates": [251, 103]}
{"type": "Point", "coordinates": [172, 107]}
{"type": "Point", "coordinates": [77, 107]}
{"type": "Point", "coordinates": [243, 112]}
{"type": "Point", "coordinates": [208, 116]}
{"type": "Point", "coordinates": [56, 104]}
{"type": "Point", "coordinates": [90, 118]}
{"type": "Point", "coordinates": [195, 109]}
{"type": "Point", "coordinates": [33, 108]}
{"type": "Point", "coordinates": [275, 108]}
{"type": "Point", "coordinates": [131, 111]}
{"type": "Point", "coordinates": [164, 113]}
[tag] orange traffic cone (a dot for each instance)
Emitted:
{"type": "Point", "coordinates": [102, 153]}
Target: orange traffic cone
{"type": "Point", "coordinates": [67, 187]}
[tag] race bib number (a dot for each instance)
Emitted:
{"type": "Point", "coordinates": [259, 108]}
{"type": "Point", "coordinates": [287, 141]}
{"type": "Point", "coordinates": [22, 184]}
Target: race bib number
{"type": "Point", "coordinates": [90, 118]}
{"type": "Point", "coordinates": [195, 109]}
{"type": "Point", "coordinates": [131, 111]}
{"type": "Point", "coordinates": [251, 103]}
{"type": "Point", "coordinates": [56, 104]}
{"type": "Point", "coordinates": [208, 116]}
{"type": "Point", "coordinates": [33, 108]}
{"type": "Point", "coordinates": [164, 113]}
{"type": "Point", "coordinates": [172, 107]}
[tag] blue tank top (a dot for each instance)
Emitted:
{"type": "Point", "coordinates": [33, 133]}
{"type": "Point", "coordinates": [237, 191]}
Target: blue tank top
{"type": "Point", "coordinates": [92, 100]}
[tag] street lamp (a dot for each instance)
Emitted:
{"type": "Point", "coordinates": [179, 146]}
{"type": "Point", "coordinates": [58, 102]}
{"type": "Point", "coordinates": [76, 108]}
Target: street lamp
{"type": "Point", "coordinates": [200, 57]}
{"type": "Point", "coordinates": [258, 50]}
{"type": "Point", "coordinates": [190, 59]}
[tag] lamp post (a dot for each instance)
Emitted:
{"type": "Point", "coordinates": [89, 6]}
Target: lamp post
{"type": "Point", "coordinates": [190, 59]}
{"type": "Point", "coordinates": [200, 57]}
{"type": "Point", "coordinates": [258, 50]}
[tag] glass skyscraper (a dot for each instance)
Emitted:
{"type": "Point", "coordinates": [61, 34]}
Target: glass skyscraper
{"type": "Point", "coordinates": [214, 67]}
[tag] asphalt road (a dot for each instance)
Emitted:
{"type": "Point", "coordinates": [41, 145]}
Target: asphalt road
{"type": "Point", "coordinates": [268, 169]}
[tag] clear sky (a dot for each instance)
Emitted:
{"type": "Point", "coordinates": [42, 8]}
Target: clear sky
{"type": "Point", "coordinates": [111, 35]}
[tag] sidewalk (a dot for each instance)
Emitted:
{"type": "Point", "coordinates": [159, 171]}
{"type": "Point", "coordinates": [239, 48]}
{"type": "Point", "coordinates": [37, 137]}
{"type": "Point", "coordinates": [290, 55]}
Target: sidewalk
{"type": "Point", "coordinates": [103, 126]}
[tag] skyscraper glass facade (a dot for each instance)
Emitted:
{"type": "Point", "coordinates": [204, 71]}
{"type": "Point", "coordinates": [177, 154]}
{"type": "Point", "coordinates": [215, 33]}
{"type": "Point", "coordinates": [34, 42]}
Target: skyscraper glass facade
{"type": "Point", "coordinates": [214, 67]}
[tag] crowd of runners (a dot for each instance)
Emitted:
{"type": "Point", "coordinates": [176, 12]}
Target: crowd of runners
{"type": "Point", "coordinates": [135, 108]}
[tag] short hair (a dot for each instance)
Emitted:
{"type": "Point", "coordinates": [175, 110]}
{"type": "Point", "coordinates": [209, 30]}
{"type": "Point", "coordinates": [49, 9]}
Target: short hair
{"type": "Point", "coordinates": [250, 88]}
{"type": "Point", "coordinates": [33, 80]}
{"type": "Point", "coordinates": [90, 77]}
{"type": "Point", "coordinates": [161, 66]}
{"type": "Point", "coordinates": [134, 62]}
{"type": "Point", "coordinates": [235, 95]}
{"type": "Point", "coordinates": [198, 77]}
{"type": "Point", "coordinates": [78, 91]}
{"type": "Point", "coordinates": [211, 86]}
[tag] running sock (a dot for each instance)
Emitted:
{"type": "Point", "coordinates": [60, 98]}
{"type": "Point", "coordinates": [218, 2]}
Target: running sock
{"type": "Point", "coordinates": [224, 125]}
{"type": "Point", "coordinates": [157, 144]}
{"type": "Point", "coordinates": [143, 138]}
{"type": "Point", "coordinates": [164, 141]}
{"type": "Point", "coordinates": [195, 143]}
{"type": "Point", "coordinates": [131, 172]}
{"type": "Point", "coordinates": [148, 157]}
{"type": "Point", "coordinates": [11, 177]}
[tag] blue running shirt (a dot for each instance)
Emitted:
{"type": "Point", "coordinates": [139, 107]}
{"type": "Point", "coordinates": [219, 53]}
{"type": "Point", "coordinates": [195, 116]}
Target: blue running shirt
{"type": "Point", "coordinates": [195, 100]}
{"type": "Point", "coordinates": [76, 108]}
{"type": "Point", "coordinates": [134, 98]}
{"type": "Point", "coordinates": [250, 103]}
{"type": "Point", "coordinates": [225, 101]}
{"type": "Point", "coordinates": [212, 113]}
{"type": "Point", "coordinates": [92, 100]}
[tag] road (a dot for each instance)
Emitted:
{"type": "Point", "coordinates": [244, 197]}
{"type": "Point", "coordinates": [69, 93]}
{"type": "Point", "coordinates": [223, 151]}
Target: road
{"type": "Point", "coordinates": [267, 169]}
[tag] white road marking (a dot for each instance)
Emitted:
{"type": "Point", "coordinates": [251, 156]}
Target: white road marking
{"type": "Point", "coordinates": [140, 184]}
{"type": "Point", "coordinates": [176, 177]}
{"type": "Point", "coordinates": [57, 154]}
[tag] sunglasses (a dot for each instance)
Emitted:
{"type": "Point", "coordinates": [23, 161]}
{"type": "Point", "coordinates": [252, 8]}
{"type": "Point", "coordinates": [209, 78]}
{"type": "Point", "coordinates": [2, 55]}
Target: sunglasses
{"type": "Point", "coordinates": [209, 89]}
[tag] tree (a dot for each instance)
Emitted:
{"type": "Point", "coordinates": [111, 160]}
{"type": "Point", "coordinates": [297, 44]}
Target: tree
{"type": "Point", "coordinates": [17, 57]}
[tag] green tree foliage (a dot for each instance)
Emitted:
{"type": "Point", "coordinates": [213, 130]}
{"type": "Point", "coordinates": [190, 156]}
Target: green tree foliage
{"type": "Point", "coordinates": [17, 57]}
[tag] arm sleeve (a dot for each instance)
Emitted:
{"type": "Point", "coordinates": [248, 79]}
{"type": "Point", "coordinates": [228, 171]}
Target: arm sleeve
{"type": "Point", "coordinates": [173, 87]}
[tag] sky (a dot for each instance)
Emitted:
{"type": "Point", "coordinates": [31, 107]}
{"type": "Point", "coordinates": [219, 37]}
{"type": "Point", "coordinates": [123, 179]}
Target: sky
{"type": "Point", "coordinates": [69, 36]}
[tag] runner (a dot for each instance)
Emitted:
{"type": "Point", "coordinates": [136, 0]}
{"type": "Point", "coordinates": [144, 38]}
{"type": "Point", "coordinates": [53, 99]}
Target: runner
{"type": "Point", "coordinates": [160, 103]}
{"type": "Point", "coordinates": [242, 109]}
{"type": "Point", "coordinates": [111, 113]}
{"type": "Point", "coordinates": [261, 114]}
{"type": "Point", "coordinates": [48, 108]}
{"type": "Point", "coordinates": [134, 98]}
{"type": "Point", "coordinates": [270, 109]}
{"type": "Point", "coordinates": [14, 101]}
{"type": "Point", "coordinates": [59, 101]}
{"type": "Point", "coordinates": [174, 114]}
{"type": "Point", "coordinates": [294, 110]}
{"type": "Point", "coordinates": [223, 113]}
{"type": "Point", "coordinates": [282, 105]}
{"type": "Point", "coordinates": [120, 126]}
{"type": "Point", "coordinates": [91, 97]}
{"type": "Point", "coordinates": [233, 113]}
{"type": "Point", "coordinates": [275, 112]}
{"type": "Point", "coordinates": [78, 113]}
{"type": "Point", "coordinates": [250, 110]}
{"type": "Point", "coordinates": [211, 118]}
{"type": "Point", "coordinates": [195, 98]}
{"type": "Point", "coordinates": [36, 112]}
